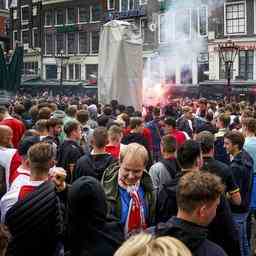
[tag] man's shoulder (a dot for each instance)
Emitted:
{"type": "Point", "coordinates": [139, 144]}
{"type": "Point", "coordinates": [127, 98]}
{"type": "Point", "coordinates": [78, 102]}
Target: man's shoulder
{"type": "Point", "coordinates": [209, 248]}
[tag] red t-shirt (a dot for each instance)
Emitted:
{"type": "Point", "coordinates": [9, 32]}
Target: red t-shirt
{"type": "Point", "coordinates": [18, 129]}
{"type": "Point", "coordinates": [179, 136]}
{"type": "Point", "coordinates": [113, 150]}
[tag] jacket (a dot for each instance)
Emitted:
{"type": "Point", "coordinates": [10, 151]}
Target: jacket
{"type": "Point", "coordinates": [110, 184]}
{"type": "Point", "coordinates": [242, 169]}
{"type": "Point", "coordinates": [221, 230]}
{"type": "Point", "coordinates": [68, 154]}
{"type": "Point", "coordinates": [192, 235]}
{"type": "Point", "coordinates": [220, 152]}
{"type": "Point", "coordinates": [89, 232]}
{"type": "Point", "coordinates": [183, 125]}
{"type": "Point", "coordinates": [93, 165]}
{"type": "Point", "coordinates": [36, 223]}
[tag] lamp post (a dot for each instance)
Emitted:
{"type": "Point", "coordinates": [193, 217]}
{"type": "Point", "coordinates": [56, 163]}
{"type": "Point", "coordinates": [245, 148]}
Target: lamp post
{"type": "Point", "coordinates": [228, 52]}
{"type": "Point", "coordinates": [61, 60]}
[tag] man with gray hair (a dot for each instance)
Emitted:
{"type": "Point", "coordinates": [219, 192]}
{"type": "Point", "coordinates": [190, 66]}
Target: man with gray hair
{"type": "Point", "coordinates": [129, 190]}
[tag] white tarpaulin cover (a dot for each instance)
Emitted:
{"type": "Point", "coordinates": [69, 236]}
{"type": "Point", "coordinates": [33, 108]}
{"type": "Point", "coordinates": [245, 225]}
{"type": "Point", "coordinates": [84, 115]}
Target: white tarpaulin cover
{"type": "Point", "coordinates": [120, 65]}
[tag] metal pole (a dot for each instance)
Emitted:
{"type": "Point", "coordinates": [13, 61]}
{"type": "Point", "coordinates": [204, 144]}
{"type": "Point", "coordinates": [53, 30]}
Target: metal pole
{"type": "Point", "coordinates": [229, 67]}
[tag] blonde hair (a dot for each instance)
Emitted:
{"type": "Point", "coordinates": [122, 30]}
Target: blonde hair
{"type": "Point", "coordinates": [147, 245]}
{"type": "Point", "coordinates": [134, 151]}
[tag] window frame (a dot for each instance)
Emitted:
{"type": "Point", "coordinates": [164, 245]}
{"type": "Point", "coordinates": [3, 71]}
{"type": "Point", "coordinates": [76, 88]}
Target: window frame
{"type": "Point", "coordinates": [246, 64]}
{"type": "Point", "coordinates": [225, 18]}
{"type": "Point", "coordinates": [198, 20]}
{"type": "Point", "coordinates": [21, 14]}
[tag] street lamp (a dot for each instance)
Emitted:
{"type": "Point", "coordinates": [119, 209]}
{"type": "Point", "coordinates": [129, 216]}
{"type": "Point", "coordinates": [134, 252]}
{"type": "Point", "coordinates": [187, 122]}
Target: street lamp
{"type": "Point", "coordinates": [228, 52]}
{"type": "Point", "coordinates": [61, 60]}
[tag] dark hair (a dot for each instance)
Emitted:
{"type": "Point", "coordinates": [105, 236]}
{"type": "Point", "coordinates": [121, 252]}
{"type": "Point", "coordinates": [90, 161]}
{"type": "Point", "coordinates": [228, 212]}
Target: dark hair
{"type": "Point", "coordinates": [169, 144]}
{"type": "Point", "coordinates": [71, 126]}
{"type": "Point", "coordinates": [107, 110]}
{"type": "Point", "coordinates": [100, 137]}
{"type": "Point", "coordinates": [206, 140]}
{"type": "Point", "coordinates": [250, 124]}
{"type": "Point", "coordinates": [41, 125]}
{"type": "Point", "coordinates": [82, 116]}
{"type": "Point", "coordinates": [71, 110]}
{"type": "Point", "coordinates": [135, 122]}
{"type": "Point", "coordinates": [44, 113]}
{"type": "Point", "coordinates": [170, 121]}
{"type": "Point", "coordinates": [52, 122]}
{"type": "Point", "coordinates": [236, 138]}
{"type": "Point", "coordinates": [188, 153]}
{"type": "Point", "coordinates": [225, 119]}
{"type": "Point", "coordinates": [196, 189]}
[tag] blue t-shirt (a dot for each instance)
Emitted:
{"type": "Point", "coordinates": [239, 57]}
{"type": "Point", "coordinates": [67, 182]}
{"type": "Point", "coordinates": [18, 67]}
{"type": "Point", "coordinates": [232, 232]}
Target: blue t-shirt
{"type": "Point", "coordinates": [250, 147]}
{"type": "Point", "coordinates": [125, 202]}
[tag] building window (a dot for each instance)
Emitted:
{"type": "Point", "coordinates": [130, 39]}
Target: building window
{"type": "Point", "coordinates": [60, 17]}
{"type": "Point", "coordinates": [162, 29]}
{"type": "Point", "coordinates": [246, 65]}
{"type": "Point", "coordinates": [64, 72]}
{"type": "Point", "coordinates": [60, 42]}
{"type": "Point", "coordinates": [84, 14]}
{"type": "Point", "coordinates": [34, 10]}
{"type": "Point", "coordinates": [95, 13]}
{"type": "Point", "coordinates": [25, 36]}
{"type": "Point", "coordinates": [91, 71]}
{"type": "Point", "coordinates": [72, 42]}
{"type": "Point", "coordinates": [235, 18]}
{"type": "Point", "coordinates": [111, 4]}
{"type": "Point", "coordinates": [203, 21]}
{"type": "Point", "coordinates": [183, 24]}
{"type": "Point", "coordinates": [77, 72]}
{"type": "Point", "coordinates": [51, 71]}
{"type": "Point", "coordinates": [24, 13]}
{"type": "Point", "coordinates": [145, 32]}
{"type": "Point", "coordinates": [95, 38]}
{"type": "Point", "coordinates": [186, 74]}
{"type": "Point", "coordinates": [14, 14]}
{"type": "Point", "coordinates": [15, 38]}
{"type": "Point", "coordinates": [72, 17]}
{"type": "Point", "coordinates": [48, 18]}
{"type": "Point", "coordinates": [126, 5]}
{"type": "Point", "coordinates": [71, 71]}
{"type": "Point", "coordinates": [83, 42]}
{"type": "Point", "coordinates": [49, 43]}
{"type": "Point", "coordinates": [36, 38]}
{"type": "Point", "coordinates": [30, 68]}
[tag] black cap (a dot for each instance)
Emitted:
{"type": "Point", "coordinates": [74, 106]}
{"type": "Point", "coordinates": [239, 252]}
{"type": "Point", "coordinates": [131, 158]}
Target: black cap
{"type": "Point", "coordinates": [26, 143]}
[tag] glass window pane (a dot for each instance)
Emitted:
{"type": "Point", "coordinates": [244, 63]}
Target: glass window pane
{"type": "Point", "coordinates": [95, 38]}
{"type": "Point", "coordinates": [71, 15]}
{"type": "Point", "coordinates": [84, 42]}
{"type": "Point", "coordinates": [84, 14]}
{"type": "Point", "coordinates": [60, 17]}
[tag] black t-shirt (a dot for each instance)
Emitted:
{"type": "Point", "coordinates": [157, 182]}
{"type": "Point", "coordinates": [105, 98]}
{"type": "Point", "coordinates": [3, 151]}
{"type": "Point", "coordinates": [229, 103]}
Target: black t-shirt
{"type": "Point", "coordinates": [223, 171]}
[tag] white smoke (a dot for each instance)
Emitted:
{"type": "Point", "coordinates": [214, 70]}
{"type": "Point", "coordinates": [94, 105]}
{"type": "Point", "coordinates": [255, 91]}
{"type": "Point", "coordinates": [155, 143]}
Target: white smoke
{"type": "Point", "coordinates": [185, 34]}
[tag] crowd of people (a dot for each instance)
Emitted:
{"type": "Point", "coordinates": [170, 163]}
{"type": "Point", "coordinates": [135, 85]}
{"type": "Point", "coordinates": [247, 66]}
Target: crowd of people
{"type": "Point", "coordinates": [78, 178]}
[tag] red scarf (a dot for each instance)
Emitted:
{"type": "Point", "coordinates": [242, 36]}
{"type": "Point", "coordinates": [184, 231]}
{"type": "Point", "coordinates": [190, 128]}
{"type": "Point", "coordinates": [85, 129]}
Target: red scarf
{"type": "Point", "coordinates": [135, 221]}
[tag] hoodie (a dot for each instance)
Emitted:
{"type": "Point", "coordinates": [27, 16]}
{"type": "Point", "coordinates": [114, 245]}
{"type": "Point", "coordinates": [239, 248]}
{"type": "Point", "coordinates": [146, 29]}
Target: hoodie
{"type": "Point", "coordinates": [92, 165]}
{"type": "Point", "coordinates": [242, 169]}
{"type": "Point", "coordinates": [192, 235]}
{"type": "Point", "coordinates": [89, 232]}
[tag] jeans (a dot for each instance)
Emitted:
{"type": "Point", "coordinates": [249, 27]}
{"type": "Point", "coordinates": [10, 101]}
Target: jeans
{"type": "Point", "coordinates": [240, 220]}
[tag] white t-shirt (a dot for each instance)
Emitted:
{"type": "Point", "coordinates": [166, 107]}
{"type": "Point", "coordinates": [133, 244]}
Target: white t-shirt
{"type": "Point", "coordinates": [12, 196]}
